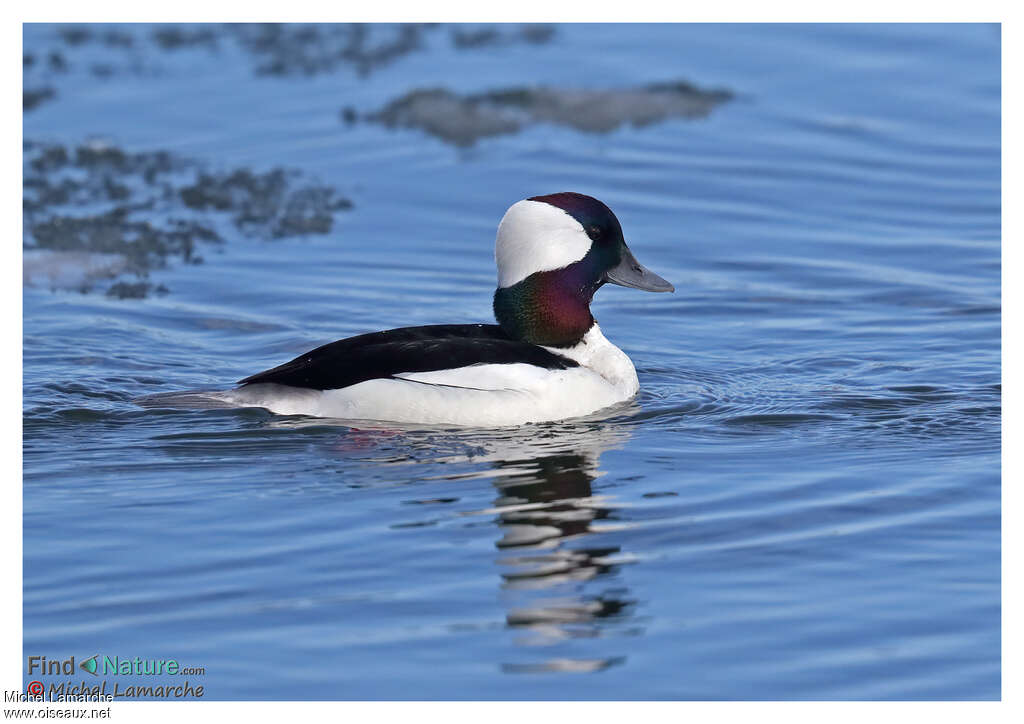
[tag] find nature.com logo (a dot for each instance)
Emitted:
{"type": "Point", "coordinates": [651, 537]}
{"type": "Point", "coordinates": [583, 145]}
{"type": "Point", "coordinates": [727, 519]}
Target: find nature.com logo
{"type": "Point", "coordinates": [99, 665]}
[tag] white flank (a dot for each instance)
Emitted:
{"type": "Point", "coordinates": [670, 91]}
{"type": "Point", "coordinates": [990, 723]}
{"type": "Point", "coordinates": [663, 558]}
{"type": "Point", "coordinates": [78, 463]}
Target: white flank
{"type": "Point", "coordinates": [535, 236]}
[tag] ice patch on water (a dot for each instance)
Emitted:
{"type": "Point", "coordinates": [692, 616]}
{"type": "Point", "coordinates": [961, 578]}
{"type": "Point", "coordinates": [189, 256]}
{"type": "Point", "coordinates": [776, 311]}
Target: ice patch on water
{"type": "Point", "coordinates": [75, 270]}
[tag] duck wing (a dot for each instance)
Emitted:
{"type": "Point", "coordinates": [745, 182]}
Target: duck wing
{"type": "Point", "coordinates": [388, 354]}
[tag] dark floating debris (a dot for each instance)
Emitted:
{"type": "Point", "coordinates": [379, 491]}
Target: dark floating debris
{"type": "Point", "coordinates": [102, 158]}
{"type": "Point", "coordinates": [266, 201]}
{"type": "Point", "coordinates": [76, 34]}
{"type": "Point", "coordinates": [57, 62]}
{"type": "Point", "coordinates": [143, 245]}
{"type": "Point", "coordinates": [277, 48]}
{"type": "Point", "coordinates": [310, 49]}
{"type": "Point", "coordinates": [174, 37]}
{"type": "Point", "coordinates": [147, 209]}
{"type": "Point", "coordinates": [286, 49]}
{"type": "Point", "coordinates": [137, 290]}
{"type": "Point", "coordinates": [30, 98]}
{"type": "Point", "coordinates": [463, 119]}
{"type": "Point", "coordinates": [465, 37]}
{"type": "Point", "coordinates": [90, 174]}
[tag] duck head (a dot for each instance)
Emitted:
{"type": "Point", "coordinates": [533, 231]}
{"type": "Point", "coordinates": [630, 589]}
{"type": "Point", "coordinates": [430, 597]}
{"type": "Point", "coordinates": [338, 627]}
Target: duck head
{"type": "Point", "coordinates": [553, 252]}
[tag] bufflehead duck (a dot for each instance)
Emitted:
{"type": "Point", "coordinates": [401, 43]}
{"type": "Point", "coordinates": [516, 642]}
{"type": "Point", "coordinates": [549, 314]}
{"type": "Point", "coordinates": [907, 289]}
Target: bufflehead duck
{"type": "Point", "coordinates": [545, 360]}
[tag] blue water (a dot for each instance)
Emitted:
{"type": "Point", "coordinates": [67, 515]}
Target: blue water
{"type": "Point", "coordinates": [803, 502]}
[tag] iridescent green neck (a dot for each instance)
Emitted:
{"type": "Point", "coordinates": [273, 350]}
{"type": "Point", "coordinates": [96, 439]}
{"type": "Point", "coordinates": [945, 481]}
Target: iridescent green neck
{"type": "Point", "coordinates": [550, 308]}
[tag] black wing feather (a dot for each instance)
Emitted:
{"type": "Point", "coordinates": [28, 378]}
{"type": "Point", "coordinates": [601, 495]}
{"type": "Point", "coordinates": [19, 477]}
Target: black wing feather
{"type": "Point", "coordinates": [382, 355]}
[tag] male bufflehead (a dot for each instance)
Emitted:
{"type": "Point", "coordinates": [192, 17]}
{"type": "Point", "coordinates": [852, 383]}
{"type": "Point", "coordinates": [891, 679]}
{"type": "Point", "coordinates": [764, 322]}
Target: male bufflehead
{"type": "Point", "coordinates": [546, 359]}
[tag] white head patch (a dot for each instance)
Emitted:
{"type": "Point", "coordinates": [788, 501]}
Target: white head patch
{"type": "Point", "coordinates": [535, 236]}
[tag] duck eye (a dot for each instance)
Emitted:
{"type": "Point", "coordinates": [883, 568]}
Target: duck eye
{"type": "Point", "coordinates": [594, 231]}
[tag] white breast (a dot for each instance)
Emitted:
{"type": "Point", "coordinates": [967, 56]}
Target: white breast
{"type": "Point", "coordinates": [598, 354]}
{"type": "Point", "coordinates": [478, 395]}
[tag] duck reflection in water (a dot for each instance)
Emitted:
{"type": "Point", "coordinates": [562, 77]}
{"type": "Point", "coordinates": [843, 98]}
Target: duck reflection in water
{"type": "Point", "coordinates": [547, 510]}
{"type": "Point", "coordinates": [559, 590]}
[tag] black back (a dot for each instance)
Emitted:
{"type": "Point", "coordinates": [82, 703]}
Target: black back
{"type": "Point", "coordinates": [382, 355]}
